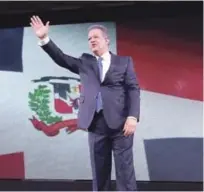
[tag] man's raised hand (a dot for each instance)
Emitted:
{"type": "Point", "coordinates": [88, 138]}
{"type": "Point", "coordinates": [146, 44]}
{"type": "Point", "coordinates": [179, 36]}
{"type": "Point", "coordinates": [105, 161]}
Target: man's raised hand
{"type": "Point", "coordinates": [39, 28]}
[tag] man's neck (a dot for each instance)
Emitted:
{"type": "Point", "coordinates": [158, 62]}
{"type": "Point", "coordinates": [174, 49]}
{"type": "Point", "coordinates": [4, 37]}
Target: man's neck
{"type": "Point", "coordinates": [101, 54]}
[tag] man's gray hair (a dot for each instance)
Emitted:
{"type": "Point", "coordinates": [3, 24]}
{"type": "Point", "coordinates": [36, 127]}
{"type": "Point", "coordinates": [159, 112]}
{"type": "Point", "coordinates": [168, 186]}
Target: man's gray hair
{"type": "Point", "coordinates": [101, 27]}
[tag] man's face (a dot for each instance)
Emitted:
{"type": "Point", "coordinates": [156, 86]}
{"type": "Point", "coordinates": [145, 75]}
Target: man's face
{"type": "Point", "coordinates": [98, 43]}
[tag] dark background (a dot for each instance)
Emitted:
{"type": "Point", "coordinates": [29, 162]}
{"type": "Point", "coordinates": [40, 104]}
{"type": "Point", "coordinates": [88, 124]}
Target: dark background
{"type": "Point", "coordinates": [18, 13]}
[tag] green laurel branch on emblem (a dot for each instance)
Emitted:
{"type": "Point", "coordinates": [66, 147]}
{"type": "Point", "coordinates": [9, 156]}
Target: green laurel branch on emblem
{"type": "Point", "coordinates": [39, 103]}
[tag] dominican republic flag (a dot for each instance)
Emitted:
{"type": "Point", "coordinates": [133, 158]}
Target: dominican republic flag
{"type": "Point", "coordinates": [11, 42]}
{"type": "Point", "coordinates": [168, 139]}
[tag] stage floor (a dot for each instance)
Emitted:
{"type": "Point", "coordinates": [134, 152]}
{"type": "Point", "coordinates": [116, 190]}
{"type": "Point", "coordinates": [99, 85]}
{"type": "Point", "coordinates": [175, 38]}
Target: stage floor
{"type": "Point", "coordinates": [82, 185]}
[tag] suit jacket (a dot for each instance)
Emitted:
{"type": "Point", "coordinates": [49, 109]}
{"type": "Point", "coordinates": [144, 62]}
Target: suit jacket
{"type": "Point", "coordinates": [120, 89]}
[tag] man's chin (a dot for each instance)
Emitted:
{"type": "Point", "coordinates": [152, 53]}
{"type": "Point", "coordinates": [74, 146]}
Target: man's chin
{"type": "Point", "coordinates": [95, 51]}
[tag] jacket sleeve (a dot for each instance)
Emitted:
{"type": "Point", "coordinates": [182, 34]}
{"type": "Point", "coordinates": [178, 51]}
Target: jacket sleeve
{"type": "Point", "coordinates": [63, 60]}
{"type": "Point", "coordinates": [133, 90]}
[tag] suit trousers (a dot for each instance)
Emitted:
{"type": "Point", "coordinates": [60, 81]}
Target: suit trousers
{"type": "Point", "coordinates": [102, 142]}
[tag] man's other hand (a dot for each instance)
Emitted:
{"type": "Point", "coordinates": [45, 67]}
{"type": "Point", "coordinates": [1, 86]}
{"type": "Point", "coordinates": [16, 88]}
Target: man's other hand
{"type": "Point", "coordinates": [130, 126]}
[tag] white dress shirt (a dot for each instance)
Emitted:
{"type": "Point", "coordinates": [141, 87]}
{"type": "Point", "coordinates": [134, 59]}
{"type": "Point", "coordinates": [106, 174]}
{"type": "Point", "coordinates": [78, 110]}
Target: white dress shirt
{"type": "Point", "coordinates": [106, 60]}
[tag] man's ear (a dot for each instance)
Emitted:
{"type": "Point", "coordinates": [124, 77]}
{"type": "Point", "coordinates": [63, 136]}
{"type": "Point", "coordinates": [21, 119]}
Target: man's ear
{"type": "Point", "coordinates": [108, 41]}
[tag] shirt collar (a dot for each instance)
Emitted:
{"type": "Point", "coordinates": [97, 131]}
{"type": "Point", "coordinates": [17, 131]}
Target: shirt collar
{"type": "Point", "coordinates": [105, 56]}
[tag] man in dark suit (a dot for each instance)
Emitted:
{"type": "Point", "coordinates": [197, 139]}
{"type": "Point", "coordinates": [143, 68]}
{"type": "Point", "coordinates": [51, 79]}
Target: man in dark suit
{"type": "Point", "coordinates": [109, 104]}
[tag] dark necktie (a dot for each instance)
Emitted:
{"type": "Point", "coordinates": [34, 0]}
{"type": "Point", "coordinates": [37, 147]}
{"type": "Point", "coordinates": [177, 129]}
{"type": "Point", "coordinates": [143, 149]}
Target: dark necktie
{"type": "Point", "coordinates": [99, 105]}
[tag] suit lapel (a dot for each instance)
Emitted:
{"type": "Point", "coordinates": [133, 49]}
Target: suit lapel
{"type": "Point", "coordinates": [95, 68]}
{"type": "Point", "coordinates": [93, 63]}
